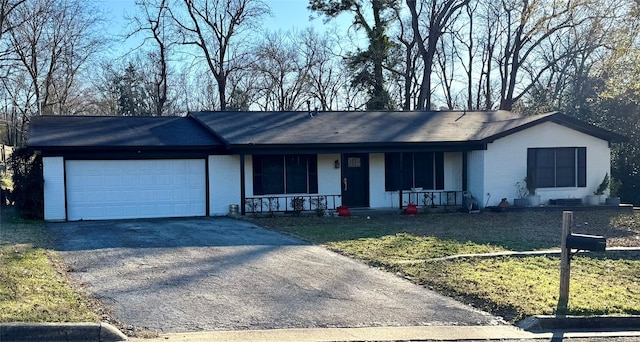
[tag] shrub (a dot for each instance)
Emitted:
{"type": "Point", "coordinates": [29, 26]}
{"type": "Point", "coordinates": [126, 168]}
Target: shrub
{"type": "Point", "coordinates": [27, 194]}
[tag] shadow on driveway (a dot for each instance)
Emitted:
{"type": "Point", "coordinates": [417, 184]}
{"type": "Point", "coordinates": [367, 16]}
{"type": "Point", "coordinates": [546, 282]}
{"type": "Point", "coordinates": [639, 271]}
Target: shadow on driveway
{"type": "Point", "coordinates": [179, 275]}
{"type": "Point", "coordinates": [163, 233]}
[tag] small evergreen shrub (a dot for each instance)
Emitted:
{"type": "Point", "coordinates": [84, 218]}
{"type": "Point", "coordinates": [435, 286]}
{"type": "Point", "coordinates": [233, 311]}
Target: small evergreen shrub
{"type": "Point", "coordinates": [28, 181]}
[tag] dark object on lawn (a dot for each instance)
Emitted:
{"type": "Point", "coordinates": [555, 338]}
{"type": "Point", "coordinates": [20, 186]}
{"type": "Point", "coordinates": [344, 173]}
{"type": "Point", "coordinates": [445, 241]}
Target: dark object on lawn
{"type": "Point", "coordinates": [566, 202]}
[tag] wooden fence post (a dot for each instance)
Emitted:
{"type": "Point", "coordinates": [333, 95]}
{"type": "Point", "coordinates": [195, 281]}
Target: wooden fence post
{"type": "Point", "coordinates": [565, 263]}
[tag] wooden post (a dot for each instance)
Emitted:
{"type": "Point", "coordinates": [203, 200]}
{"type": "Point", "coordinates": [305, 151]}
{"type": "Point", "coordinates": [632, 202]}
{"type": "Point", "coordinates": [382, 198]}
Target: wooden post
{"type": "Point", "coordinates": [565, 263]}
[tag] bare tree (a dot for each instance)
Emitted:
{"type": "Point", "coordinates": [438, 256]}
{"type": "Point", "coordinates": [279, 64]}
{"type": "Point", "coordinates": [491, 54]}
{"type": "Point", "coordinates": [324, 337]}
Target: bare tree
{"type": "Point", "coordinates": [328, 74]}
{"type": "Point", "coordinates": [49, 43]}
{"type": "Point", "coordinates": [406, 67]}
{"type": "Point", "coordinates": [439, 13]}
{"type": "Point", "coordinates": [368, 64]}
{"type": "Point", "coordinates": [527, 26]}
{"type": "Point", "coordinates": [215, 28]}
{"type": "Point", "coordinates": [54, 43]}
{"type": "Point", "coordinates": [152, 23]}
{"type": "Point", "coordinates": [284, 71]}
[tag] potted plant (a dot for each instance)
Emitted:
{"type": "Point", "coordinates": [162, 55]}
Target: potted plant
{"type": "Point", "coordinates": [595, 199]}
{"type": "Point", "coordinates": [614, 189]}
{"type": "Point", "coordinates": [297, 204]}
{"type": "Point", "coordinates": [534, 199]}
{"type": "Point", "coordinates": [411, 209]}
{"type": "Point", "coordinates": [343, 211]}
{"type": "Point", "coordinates": [522, 200]}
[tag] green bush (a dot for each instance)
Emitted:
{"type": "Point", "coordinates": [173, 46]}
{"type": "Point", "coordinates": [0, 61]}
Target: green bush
{"type": "Point", "coordinates": [27, 194]}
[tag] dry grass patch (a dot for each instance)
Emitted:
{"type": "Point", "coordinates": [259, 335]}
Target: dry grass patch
{"type": "Point", "coordinates": [31, 290]}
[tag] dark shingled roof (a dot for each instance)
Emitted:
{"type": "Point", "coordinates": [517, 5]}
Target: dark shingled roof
{"type": "Point", "coordinates": [118, 132]}
{"type": "Point", "coordinates": [438, 127]}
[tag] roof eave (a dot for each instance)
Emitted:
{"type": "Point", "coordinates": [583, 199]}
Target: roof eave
{"type": "Point", "coordinates": [354, 147]}
{"type": "Point", "coordinates": [563, 120]}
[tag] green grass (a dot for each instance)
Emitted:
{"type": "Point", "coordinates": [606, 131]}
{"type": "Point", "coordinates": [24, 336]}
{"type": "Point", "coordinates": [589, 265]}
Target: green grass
{"type": "Point", "coordinates": [509, 286]}
{"type": "Point", "coordinates": [518, 287]}
{"type": "Point", "coordinates": [404, 246]}
{"type": "Point", "coordinates": [31, 289]}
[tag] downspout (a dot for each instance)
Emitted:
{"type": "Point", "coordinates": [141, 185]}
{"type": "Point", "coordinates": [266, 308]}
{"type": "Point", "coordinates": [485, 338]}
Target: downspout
{"type": "Point", "coordinates": [242, 186]}
{"type": "Point", "coordinates": [400, 182]}
{"type": "Point", "coordinates": [465, 166]}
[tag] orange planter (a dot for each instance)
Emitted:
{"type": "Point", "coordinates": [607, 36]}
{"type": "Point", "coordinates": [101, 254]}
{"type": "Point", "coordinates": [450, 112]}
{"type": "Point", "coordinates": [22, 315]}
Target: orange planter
{"type": "Point", "coordinates": [412, 209]}
{"type": "Point", "coordinates": [343, 211]}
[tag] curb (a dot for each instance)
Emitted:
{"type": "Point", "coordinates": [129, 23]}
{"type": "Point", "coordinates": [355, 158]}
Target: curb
{"type": "Point", "coordinates": [21, 332]}
{"type": "Point", "coordinates": [581, 323]}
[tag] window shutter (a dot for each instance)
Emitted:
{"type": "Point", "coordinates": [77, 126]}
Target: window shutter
{"type": "Point", "coordinates": [582, 167]}
{"type": "Point", "coordinates": [313, 174]}
{"type": "Point", "coordinates": [531, 165]}
{"type": "Point", "coordinates": [407, 171]}
{"type": "Point", "coordinates": [391, 171]}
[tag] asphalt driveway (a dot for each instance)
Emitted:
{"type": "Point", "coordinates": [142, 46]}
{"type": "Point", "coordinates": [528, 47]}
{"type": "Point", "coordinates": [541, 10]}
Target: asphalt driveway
{"type": "Point", "coordinates": [179, 275]}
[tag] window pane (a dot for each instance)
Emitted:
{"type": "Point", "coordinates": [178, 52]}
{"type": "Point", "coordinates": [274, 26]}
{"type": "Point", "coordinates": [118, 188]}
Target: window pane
{"type": "Point", "coordinates": [565, 167]}
{"type": "Point", "coordinates": [391, 171]}
{"type": "Point", "coordinates": [545, 168]}
{"type": "Point", "coordinates": [407, 171]}
{"type": "Point", "coordinates": [273, 174]}
{"type": "Point", "coordinates": [296, 167]}
{"type": "Point", "coordinates": [257, 175]}
{"type": "Point", "coordinates": [423, 170]}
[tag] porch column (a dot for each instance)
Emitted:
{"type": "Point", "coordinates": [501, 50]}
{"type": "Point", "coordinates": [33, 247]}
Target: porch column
{"type": "Point", "coordinates": [242, 186]}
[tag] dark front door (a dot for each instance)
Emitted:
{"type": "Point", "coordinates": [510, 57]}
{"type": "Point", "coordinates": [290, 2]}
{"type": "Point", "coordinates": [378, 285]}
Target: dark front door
{"type": "Point", "coordinates": [355, 179]}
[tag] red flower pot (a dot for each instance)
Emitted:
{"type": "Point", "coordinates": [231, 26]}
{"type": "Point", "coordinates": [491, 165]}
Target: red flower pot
{"type": "Point", "coordinates": [412, 209]}
{"type": "Point", "coordinates": [343, 211]}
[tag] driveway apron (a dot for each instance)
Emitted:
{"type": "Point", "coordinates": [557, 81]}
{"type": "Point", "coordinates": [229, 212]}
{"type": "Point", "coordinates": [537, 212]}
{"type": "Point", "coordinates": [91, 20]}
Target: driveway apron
{"type": "Point", "coordinates": [180, 275]}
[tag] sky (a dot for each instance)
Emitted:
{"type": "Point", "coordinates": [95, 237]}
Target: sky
{"type": "Point", "coordinates": [286, 15]}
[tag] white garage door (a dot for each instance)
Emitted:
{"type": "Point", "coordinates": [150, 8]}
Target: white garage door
{"type": "Point", "coordinates": [115, 189]}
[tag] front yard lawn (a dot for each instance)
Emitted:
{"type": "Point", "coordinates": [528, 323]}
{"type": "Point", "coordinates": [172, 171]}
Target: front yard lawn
{"type": "Point", "coordinates": [31, 289]}
{"type": "Point", "coordinates": [512, 287]}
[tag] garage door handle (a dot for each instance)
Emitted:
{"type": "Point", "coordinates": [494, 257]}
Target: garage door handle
{"type": "Point", "coordinates": [344, 182]}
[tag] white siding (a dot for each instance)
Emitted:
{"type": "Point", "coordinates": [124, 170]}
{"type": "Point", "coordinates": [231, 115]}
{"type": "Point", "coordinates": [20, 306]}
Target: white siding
{"type": "Point", "coordinates": [475, 174]}
{"type": "Point", "coordinates": [506, 161]}
{"type": "Point", "coordinates": [453, 171]}
{"type": "Point", "coordinates": [224, 183]}
{"type": "Point", "coordinates": [378, 198]}
{"type": "Point", "coordinates": [329, 177]}
{"type": "Point", "coordinates": [248, 176]}
{"type": "Point", "coordinates": [54, 194]}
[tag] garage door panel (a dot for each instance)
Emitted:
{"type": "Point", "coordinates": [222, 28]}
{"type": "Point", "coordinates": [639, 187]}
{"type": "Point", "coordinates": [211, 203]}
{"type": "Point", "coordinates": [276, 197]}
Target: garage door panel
{"type": "Point", "coordinates": [135, 188]}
